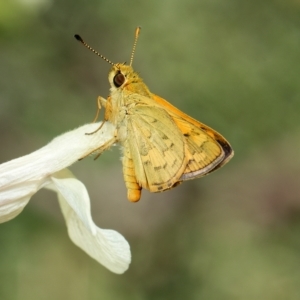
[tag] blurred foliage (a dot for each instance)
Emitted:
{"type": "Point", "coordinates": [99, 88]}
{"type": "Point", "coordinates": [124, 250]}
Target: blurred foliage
{"type": "Point", "coordinates": [230, 64]}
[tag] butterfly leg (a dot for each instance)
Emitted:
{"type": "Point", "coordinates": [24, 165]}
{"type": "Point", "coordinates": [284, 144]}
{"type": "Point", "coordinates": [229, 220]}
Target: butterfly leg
{"type": "Point", "coordinates": [133, 188]}
{"type": "Point", "coordinates": [101, 149]}
{"type": "Point", "coordinates": [100, 100]}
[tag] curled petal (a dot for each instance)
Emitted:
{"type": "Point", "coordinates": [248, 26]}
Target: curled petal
{"type": "Point", "coordinates": [108, 247]}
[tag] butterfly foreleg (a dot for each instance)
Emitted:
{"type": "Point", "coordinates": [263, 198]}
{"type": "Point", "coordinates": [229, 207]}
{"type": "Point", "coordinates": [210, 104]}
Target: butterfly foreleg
{"type": "Point", "coordinates": [100, 101]}
{"type": "Point", "coordinates": [105, 103]}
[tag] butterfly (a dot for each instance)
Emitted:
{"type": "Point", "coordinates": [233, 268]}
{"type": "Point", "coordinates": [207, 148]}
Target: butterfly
{"type": "Point", "coordinates": [162, 146]}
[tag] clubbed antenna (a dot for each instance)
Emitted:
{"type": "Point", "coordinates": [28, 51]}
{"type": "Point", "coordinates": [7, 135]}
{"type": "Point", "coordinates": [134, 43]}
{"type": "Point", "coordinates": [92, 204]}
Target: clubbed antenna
{"type": "Point", "coordinates": [78, 38]}
{"type": "Point", "coordinates": [137, 33]}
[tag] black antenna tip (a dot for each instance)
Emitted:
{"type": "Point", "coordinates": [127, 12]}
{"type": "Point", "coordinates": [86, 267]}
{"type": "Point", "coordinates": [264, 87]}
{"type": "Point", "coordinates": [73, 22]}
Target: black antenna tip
{"type": "Point", "coordinates": [78, 38]}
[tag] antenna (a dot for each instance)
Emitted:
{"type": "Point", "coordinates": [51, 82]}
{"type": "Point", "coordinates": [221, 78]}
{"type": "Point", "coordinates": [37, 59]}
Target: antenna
{"type": "Point", "coordinates": [137, 33]}
{"type": "Point", "coordinates": [78, 38]}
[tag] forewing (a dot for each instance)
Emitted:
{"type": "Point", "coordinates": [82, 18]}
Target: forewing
{"type": "Point", "coordinates": [203, 153]}
{"type": "Point", "coordinates": [157, 147]}
{"type": "Point", "coordinates": [206, 149]}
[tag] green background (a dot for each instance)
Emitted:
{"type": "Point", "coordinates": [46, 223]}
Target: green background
{"type": "Point", "coordinates": [232, 64]}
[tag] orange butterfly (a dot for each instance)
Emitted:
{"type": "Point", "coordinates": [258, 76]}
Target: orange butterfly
{"type": "Point", "coordinates": [162, 146]}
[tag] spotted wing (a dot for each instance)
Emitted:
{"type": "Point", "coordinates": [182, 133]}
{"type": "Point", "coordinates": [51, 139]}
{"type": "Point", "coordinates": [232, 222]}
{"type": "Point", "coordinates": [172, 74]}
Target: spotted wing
{"type": "Point", "coordinates": [156, 147]}
{"type": "Point", "coordinates": [206, 150]}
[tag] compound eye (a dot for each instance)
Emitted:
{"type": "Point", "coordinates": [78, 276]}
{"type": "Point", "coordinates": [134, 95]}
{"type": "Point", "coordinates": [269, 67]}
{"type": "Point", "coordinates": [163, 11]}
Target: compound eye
{"type": "Point", "coordinates": [119, 79]}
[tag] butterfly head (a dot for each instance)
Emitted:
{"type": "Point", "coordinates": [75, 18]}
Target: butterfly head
{"type": "Point", "coordinates": [122, 75]}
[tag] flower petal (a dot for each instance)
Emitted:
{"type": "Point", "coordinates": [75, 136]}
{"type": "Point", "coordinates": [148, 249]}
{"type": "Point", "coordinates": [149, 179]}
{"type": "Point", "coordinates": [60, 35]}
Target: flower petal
{"type": "Point", "coordinates": [13, 199]}
{"type": "Point", "coordinates": [60, 153]}
{"type": "Point", "coordinates": [10, 210]}
{"type": "Point", "coordinates": [22, 177]}
{"type": "Point", "coordinates": [75, 194]}
{"type": "Point", "coordinates": [108, 247]}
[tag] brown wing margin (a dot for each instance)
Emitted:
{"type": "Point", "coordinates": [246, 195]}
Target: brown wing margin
{"type": "Point", "coordinates": [228, 151]}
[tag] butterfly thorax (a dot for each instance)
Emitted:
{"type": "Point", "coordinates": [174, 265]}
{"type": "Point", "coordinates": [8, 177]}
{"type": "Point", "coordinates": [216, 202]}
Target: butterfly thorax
{"type": "Point", "coordinates": [125, 84]}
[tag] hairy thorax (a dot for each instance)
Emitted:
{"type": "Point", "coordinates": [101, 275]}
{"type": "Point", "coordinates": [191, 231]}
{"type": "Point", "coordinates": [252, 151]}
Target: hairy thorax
{"type": "Point", "coordinates": [123, 98]}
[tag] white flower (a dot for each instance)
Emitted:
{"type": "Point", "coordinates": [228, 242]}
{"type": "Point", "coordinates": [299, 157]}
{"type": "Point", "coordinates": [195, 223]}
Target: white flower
{"type": "Point", "coordinates": [22, 177]}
